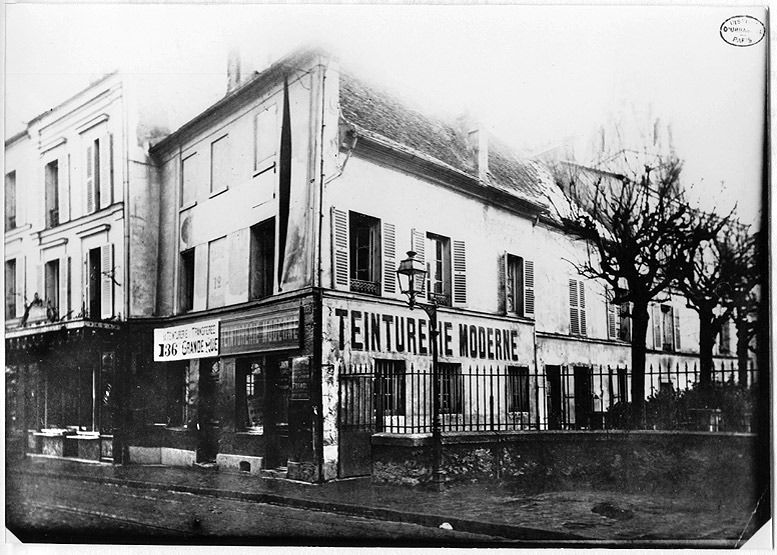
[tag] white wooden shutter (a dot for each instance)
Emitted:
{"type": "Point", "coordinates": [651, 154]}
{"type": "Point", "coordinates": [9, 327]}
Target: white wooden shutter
{"type": "Point", "coordinates": [106, 281]}
{"type": "Point", "coordinates": [19, 287]}
{"type": "Point", "coordinates": [340, 256]}
{"type": "Point", "coordinates": [676, 317]}
{"type": "Point", "coordinates": [581, 304]}
{"type": "Point", "coordinates": [64, 281]}
{"type": "Point", "coordinates": [389, 258]}
{"type": "Point", "coordinates": [612, 326]}
{"type": "Point", "coordinates": [656, 317]}
{"type": "Point", "coordinates": [63, 186]}
{"type": "Point", "coordinates": [459, 273]}
{"type": "Point", "coordinates": [40, 276]}
{"type": "Point", "coordinates": [418, 241]}
{"type": "Point", "coordinates": [574, 313]}
{"type": "Point", "coordinates": [85, 286]}
{"type": "Point", "coordinates": [504, 291]}
{"type": "Point", "coordinates": [90, 177]}
{"type": "Point", "coordinates": [106, 170]}
{"type": "Point", "coordinates": [624, 318]}
{"type": "Point", "coordinates": [528, 288]}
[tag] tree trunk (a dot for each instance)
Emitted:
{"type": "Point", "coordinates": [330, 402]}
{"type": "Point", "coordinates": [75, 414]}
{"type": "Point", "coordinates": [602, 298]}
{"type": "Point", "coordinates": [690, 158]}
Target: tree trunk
{"type": "Point", "coordinates": [742, 348]}
{"type": "Point", "coordinates": [707, 334]}
{"type": "Point", "coordinates": [639, 322]}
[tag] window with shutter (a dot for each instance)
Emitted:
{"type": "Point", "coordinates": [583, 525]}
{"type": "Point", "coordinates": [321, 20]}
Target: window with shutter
{"type": "Point", "coordinates": [20, 287]}
{"type": "Point", "coordinates": [655, 316]}
{"type": "Point", "coordinates": [51, 283]}
{"type": "Point", "coordinates": [64, 287]}
{"type": "Point", "coordinates": [63, 186]}
{"type": "Point", "coordinates": [10, 289]}
{"type": "Point", "coordinates": [676, 315]}
{"type": "Point", "coordinates": [506, 281]}
{"type": "Point", "coordinates": [581, 302]}
{"type": "Point", "coordinates": [389, 258]}
{"type": "Point", "coordinates": [340, 258]}
{"type": "Point", "coordinates": [365, 253]}
{"type": "Point", "coordinates": [91, 203]}
{"type": "Point", "coordinates": [186, 281]}
{"type": "Point", "coordinates": [52, 193]}
{"type": "Point", "coordinates": [612, 315]}
{"type": "Point", "coordinates": [438, 268]}
{"type": "Point", "coordinates": [262, 259]}
{"type": "Point", "coordinates": [10, 200]}
{"type": "Point", "coordinates": [459, 273]}
{"type": "Point", "coordinates": [108, 271]}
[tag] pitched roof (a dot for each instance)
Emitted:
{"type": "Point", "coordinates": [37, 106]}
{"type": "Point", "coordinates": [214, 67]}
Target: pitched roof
{"type": "Point", "coordinates": [381, 114]}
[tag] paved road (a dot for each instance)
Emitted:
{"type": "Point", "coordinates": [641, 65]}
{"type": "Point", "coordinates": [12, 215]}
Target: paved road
{"type": "Point", "coordinates": [61, 510]}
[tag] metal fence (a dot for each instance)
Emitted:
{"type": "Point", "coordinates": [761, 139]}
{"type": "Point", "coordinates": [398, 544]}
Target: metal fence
{"type": "Point", "coordinates": [390, 396]}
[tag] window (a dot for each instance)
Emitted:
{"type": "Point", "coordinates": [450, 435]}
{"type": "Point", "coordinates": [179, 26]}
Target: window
{"type": "Point", "coordinates": [515, 283]}
{"type": "Point", "coordinates": [51, 286]}
{"type": "Point", "coordinates": [451, 388]}
{"type": "Point", "coordinates": [624, 321]}
{"type": "Point", "coordinates": [10, 200]}
{"type": "Point", "coordinates": [10, 289]}
{"type": "Point", "coordinates": [250, 395]}
{"type": "Point", "coordinates": [438, 266]}
{"type": "Point", "coordinates": [577, 317]}
{"type": "Point", "coordinates": [186, 290]}
{"type": "Point", "coordinates": [666, 328]}
{"type": "Point", "coordinates": [365, 253]}
{"type": "Point", "coordinates": [52, 193]}
{"type": "Point", "coordinates": [517, 389]}
{"type": "Point", "coordinates": [618, 318]}
{"type": "Point", "coordinates": [188, 183]}
{"type": "Point", "coordinates": [95, 283]}
{"type": "Point", "coordinates": [220, 169]}
{"type": "Point", "coordinates": [266, 138]}
{"type": "Point", "coordinates": [262, 259]}
{"type": "Point", "coordinates": [217, 269]}
{"type": "Point", "coordinates": [176, 386]}
{"type": "Point", "coordinates": [390, 390]}
{"type": "Point", "coordinates": [618, 384]}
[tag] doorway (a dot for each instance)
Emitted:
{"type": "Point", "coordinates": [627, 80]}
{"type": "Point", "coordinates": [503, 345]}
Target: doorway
{"type": "Point", "coordinates": [278, 393]}
{"type": "Point", "coordinates": [207, 417]}
{"type": "Point", "coordinates": [584, 396]}
{"type": "Point", "coordinates": [555, 415]}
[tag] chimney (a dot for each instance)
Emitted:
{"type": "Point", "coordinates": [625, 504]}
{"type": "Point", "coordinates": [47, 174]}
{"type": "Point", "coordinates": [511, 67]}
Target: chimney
{"type": "Point", "coordinates": [477, 140]}
{"type": "Point", "coordinates": [233, 70]}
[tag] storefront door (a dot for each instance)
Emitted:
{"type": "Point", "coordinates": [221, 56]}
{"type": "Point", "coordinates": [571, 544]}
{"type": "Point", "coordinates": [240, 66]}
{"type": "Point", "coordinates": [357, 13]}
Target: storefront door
{"type": "Point", "coordinates": [553, 374]}
{"type": "Point", "coordinates": [208, 432]}
{"type": "Point", "coordinates": [277, 418]}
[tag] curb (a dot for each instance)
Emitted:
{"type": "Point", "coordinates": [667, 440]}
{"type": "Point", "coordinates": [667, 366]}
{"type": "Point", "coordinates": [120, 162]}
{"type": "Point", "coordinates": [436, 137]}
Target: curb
{"type": "Point", "coordinates": [506, 531]}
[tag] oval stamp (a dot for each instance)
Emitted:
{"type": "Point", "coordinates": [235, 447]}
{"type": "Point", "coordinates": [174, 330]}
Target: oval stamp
{"type": "Point", "coordinates": [742, 30]}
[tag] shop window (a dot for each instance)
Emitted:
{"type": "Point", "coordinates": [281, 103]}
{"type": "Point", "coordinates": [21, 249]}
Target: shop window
{"type": "Point", "coordinates": [219, 164]}
{"type": "Point", "coordinates": [262, 259]}
{"type": "Point", "coordinates": [517, 389]}
{"type": "Point", "coordinates": [451, 388]}
{"type": "Point", "coordinates": [365, 253]}
{"type": "Point", "coordinates": [250, 395]}
{"type": "Point", "coordinates": [10, 200]}
{"type": "Point", "coordinates": [577, 311]}
{"type": "Point", "coordinates": [10, 289]}
{"type": "Point", "coordinates": [186, 285]}
{"type": "Point", "coordinates": [52, 193]}
{"type": "Point", "coordinates": [438, 266]}
{"type": "Point", "coordinates": [188, 181]}
{"type": "Point", "coordinates": [51, 287]}
{"type": "Point", "coordinates": [390, 387]}
{"type": "Point", "coordinates": [265, 138]}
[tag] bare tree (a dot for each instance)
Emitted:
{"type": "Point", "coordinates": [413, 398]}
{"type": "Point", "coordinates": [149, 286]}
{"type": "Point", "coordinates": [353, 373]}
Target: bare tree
{"type": "Point", "coordinates": [637, 230]}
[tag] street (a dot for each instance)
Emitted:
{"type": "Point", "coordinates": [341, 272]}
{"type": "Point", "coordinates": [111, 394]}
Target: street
{"type": "Point", "coordinates": [44, 509]}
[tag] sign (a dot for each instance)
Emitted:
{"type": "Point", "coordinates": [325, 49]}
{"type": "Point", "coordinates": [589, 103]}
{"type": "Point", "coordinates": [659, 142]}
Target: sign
{"type": "Point", "coordinates": [280, 330]}
{"type": "Point", "coordinates": [198, 340]}
{"type": "Point", "coordinates": [300, 379]}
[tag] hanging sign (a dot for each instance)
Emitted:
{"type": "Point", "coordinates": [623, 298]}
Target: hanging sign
{"type": "Point", "coordinates": [198, 340]}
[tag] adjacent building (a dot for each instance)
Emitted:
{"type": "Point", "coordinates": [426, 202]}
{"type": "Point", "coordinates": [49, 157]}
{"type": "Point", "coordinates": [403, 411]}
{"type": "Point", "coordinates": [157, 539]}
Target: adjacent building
{"type": "Point", "coordinates": [240, 276]}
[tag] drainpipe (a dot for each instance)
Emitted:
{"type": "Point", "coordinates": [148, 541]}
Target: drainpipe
{"type": "Point", "coordinates": [318, 299]}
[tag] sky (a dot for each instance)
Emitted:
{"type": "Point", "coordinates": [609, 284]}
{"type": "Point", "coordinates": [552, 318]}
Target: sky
{"type": "Point", "coordinates": [535, 76]}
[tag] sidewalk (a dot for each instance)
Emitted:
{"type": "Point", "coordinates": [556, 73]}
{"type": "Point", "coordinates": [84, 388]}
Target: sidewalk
{"type": "Point", "coordinates": [551, 518]}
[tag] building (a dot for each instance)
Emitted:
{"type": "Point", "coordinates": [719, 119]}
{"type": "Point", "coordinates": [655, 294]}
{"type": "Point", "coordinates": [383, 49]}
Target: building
{"type": "Point", "coordinates": [79, 227]}
{"type": "Point", "coordinates": [273, 336]}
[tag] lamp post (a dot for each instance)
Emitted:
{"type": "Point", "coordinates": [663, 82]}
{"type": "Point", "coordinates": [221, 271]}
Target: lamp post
{"type": "Point", "coordinates": [411, 275]}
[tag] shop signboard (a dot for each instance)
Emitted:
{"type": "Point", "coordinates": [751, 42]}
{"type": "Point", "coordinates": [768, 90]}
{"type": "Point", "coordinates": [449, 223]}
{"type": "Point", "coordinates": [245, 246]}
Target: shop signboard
{"type": "Point", "coordinates": [198, 340]}
{"type": "Point", "coordinates": [268, 332]}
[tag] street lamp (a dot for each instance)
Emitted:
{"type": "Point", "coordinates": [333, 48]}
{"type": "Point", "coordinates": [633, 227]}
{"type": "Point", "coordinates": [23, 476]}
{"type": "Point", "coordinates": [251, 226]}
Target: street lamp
{"type": "Point", "coordinates": [411, 275]}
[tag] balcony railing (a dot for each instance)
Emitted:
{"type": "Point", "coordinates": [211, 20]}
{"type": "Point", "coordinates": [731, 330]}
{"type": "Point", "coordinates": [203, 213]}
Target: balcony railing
{"type": "Point", "coordinates": [440, 298]}
{"type": "Point", "coordinates": [53, 219]}
{"type": "Point", "coordinates": [363, 286]}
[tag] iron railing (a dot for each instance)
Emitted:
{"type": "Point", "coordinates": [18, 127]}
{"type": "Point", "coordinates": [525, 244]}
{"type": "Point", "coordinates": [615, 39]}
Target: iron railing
{"type": "Point", "coordinates": [396, 397]}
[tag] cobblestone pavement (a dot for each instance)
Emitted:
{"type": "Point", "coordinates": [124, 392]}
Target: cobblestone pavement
{"type": "Point", "coordinates": [557, 517]}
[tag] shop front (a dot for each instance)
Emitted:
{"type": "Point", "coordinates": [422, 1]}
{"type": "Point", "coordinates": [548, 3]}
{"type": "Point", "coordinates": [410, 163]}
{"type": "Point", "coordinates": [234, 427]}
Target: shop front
{"type": "Point", "coordinates": [62, 388]}
{"type": "Point", "coordinates": [235, 393]}
{"type": "Point", "coordinates": [380, 356]}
